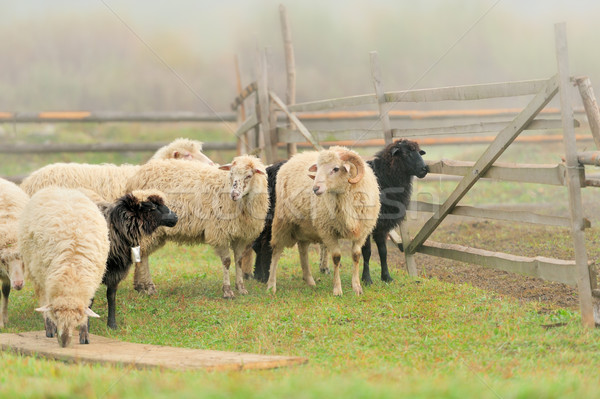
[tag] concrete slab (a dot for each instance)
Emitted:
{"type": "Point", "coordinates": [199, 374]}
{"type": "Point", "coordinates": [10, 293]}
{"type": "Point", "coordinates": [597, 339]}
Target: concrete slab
{"type": "Point", "coordinates": [111, 351]}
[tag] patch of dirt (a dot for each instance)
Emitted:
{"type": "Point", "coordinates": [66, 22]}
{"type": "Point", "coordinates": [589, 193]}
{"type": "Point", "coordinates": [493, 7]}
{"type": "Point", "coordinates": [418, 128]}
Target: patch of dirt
{"type": "Point", "coordinates": [516, 239]}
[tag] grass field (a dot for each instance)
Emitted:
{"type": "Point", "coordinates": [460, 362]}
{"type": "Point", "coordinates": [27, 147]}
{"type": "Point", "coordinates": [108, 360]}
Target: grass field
{"type": "Point", "coordinates": [413, 338]}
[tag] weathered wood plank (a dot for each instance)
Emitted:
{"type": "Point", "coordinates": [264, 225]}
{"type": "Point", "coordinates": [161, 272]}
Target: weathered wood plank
{"type": "Point", "coordinates": [263, 111]}
{"type": "Point", "coordinates": [104, 350]}
{"type": "Point", "coordinates": [243, 94]}
{"type": "Point", "coordinates": [290, 68]}
{"type": "Point", "coordinates": [573, 178]}
{"type": "Point", "coordinates": [248, 124]}
{"type": "Point", "coordinates": [491, 154]}
{"type": "Point", "coordinates": [294, 119]}
{"type": "Point", "coordinates": [99, 147]}
{"type": "Point", "coordinates": [562, 271]}
{"type": "Point", "coordinates": [589, 158]}
{"type": "Point", "coordinates": [496, 214]}
{"type": "Point", "coordinates": [108, 116]}
{"type": "Point", "coordinates": [524, 173]}
{"type": "Point", "coordinates": [471, 92]}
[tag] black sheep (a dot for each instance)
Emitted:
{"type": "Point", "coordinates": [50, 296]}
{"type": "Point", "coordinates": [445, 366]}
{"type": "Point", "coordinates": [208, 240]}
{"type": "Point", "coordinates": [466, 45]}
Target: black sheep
{"type": "Point", "coordinates": [262, 245]}
{"type": "Point", "coordinates": [129, 218]}
{"type": "Point", "coordinates": [394, 167]}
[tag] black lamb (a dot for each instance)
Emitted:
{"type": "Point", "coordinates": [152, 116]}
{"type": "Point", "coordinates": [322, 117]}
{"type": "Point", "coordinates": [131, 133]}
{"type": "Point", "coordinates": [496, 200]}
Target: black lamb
{"type": "Point", "coordinates": [394, 167]}
{"type": "Point", "coordinates": [129, 218]}
{"type": "Point", "coordinates": [262, 245]}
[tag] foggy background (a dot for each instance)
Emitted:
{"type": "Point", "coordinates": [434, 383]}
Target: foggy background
{"type": "Point", "coordinates": [105, 55]}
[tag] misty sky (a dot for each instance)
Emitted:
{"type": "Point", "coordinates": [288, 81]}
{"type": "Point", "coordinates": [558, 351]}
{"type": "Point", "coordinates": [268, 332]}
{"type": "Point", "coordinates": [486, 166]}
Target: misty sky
{"type": "Point", "coordinates": [73, 54]}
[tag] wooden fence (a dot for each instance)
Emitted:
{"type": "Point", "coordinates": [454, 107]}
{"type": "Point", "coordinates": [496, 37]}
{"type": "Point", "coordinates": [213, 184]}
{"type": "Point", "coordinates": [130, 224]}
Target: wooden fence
{"type": "Point", "coordinates": [260, 129]}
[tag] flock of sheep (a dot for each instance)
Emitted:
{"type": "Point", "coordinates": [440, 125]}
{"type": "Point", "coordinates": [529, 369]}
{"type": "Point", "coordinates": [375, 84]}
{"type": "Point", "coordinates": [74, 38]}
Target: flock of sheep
{"type": "Point", "coordinates": [71, 227]}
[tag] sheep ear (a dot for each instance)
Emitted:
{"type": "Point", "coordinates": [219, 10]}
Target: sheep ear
{"type": "Point", "coordinates": [347, 167]}
{"type": "Point", "coordinates": [313, 168]}
{"type": "Point", "coordinates": [259, 171]}
{"type": "Point", "coordinates": [90, 313]}
{"type": "Point", "coordinates": [422, 152]}
{"type": "Point", "coordinates": [43, 309]}
{"type": "Point", "coordinates": [225, 167]}
{"type": "Point", "coordinates": [395, 150]}
{"type": "Point", "coordinates": [176, 154]}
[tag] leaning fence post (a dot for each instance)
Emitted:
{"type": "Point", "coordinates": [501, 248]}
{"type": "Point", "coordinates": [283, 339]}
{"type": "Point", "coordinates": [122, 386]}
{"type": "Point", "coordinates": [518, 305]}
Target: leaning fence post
{"type": "Point", "coordinates": [242, 141]}
{"type": "Point", "coordinates": [591, 107]}
{"type": "Point", "coordinates": [573, 178]}
{"type": "Point", "coordinates": [264, 107]}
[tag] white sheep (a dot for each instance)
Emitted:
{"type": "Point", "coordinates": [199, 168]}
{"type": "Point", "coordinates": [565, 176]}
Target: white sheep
{"type": "Point", "coordinates": [12, 202]}
{"type": "Point", "coordinates": [63, 238]}
{"type": "Point", "coordinates": [341, 203]}
{"type": "Point", "coordinates": [223, 207]}
{"type": "Point", "coordinates": [108, 181]}
{"type": "Point", "coordinates": [182, 148]}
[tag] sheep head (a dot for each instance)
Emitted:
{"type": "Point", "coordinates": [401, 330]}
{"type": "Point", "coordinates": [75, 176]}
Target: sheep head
{"type": "Point", "coordinates": [335, 168]}
{"type": "Point", "coordinates": [142, 210]}
{"type": "Point", "coordinates": [409, 154]}
{"type": "Point", "coordinates": [66, 317]}
{"type": "Point", "coordinates": [11, 264]}
{"type": "Point", "coordinates": [184, 149]}
{"type": "Point", "coordinates": [242, 172]}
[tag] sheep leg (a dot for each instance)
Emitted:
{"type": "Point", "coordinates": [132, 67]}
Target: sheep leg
{"type": "Point", "coordinates": [303, 251]}
{"type": "Point", "coordinates": [264, 253]}
{"type": "Point", "coordinates": [272, 283]}
{"type": "Point", "coordinates": [84, 330]}
{"type": "Point", "coordinates": [247, 265]}
{"type": "Point", "coordinates": [366, 254]}
{"type": "Point", "coordinates": [336, 256]}
{"type": "Point", "coordinates": [111, 298]}
{"type": "Point", "coordinates": [223, 253]}
{"type": "Point", "coordinates": [356, 269]}
{"type": "Point", "coordinates": [240, 251]}
{"type": "Point", "coordinates": [323, 260]}
{"type": "Point", "coordinates": [380, 240]}
{"type": "Point", "coordinates": [50, 327]}
{"type": "Point", "coordinates": [4, 309]}
{"type": "Point", "coordinates": [142, 279]}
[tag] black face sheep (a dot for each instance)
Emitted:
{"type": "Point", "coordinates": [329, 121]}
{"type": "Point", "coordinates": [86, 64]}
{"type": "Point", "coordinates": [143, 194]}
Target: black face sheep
{"type": "Point", "coordinates": [131, 217]}
{"type": "Point", "coordinates": [12, 203]}
{"type": "Point", "coordinates": [394, 167]}
{"type": "Point", "coordinates": [63, 239]}
{"type": "Point", "coordinates": [224, 207]}
{"type": "Point", "coordinates": [341, 203]}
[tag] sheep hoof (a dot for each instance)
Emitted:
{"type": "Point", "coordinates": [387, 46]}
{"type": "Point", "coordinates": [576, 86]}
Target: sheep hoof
{"type": "Point", "coordinates": [84, 338]}
{"type": "Point", "coordinates": [325, 270]}
{"type": "Point", "coordinates": [337, 292]}
{"type": "Point", "coordinates": [367, 280]}
{"type": "Point", "coordinates": [146, 288]}
{"type": "Point", "coordinates": [358, 290]}
{"type": "Point", "coordinates": [310, 281]}
{"type": "Point", "coordinates": [227, 292]}
{"type": "Point", "coordinates": [248, 276]}
{"type": "Point", "coordinates": [387, 279]}
{"type": "Point", "coordinates": [241, 289]}
{"type": "Point", "coordinates": [272, 288]}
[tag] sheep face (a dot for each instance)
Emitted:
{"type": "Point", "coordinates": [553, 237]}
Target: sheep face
{"type": "Point", "coordinates": [148, 213]}
{"type": "Point", "coordinates": [335, 170]}
{"type": "Point", "coordinates": [66, 317]}
{"type": "Point", "coordinates": [241, 175]}
{"type": "Point", "coordinates": [193, 155]}
{"type": "Point", "coordinates": [409, 153]}
{"type": "Point", "coordinates": [15, 274]}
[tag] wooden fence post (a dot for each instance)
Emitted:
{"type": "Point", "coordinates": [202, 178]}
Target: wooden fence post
{"type": "Point", "coordinates": [383, 112]}
{"type": "Point", "coordinates": [264, 107]}
{"type": "Point", "coordinates": [573, 178]}
{"type": "Point", "coordinates": [242, 141]}
{"type": "Point", "coordinates": [591, 107]}
{"type": "Point", "coordinates": [290, 66]}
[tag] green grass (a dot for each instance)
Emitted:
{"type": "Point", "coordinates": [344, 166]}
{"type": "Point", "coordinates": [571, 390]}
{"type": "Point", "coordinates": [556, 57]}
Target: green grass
{"type": "Point", "coordinates": [412, 338]}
